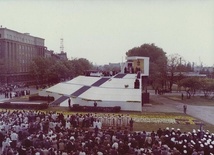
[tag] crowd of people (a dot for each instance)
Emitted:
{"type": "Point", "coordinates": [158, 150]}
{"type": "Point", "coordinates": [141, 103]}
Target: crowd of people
{"type": "Point", "coordinates": [51, 133]}
{"type": "Point", "coordinates": [14, 91]}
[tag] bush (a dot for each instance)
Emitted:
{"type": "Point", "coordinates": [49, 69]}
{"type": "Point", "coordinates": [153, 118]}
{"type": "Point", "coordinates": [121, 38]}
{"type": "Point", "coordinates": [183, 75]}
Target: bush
{"type": "Point", "coordinates": [41, 98]}
{"type": "Point", "coordinates": [117, 109]}
{"type": "Point", "coordinates": [9, 105]}
{"type": "Point", "coordinates": [77, 107]}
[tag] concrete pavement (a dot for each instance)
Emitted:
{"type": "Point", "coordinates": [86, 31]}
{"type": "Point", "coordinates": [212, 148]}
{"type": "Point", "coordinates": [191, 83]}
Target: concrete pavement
{"type": "Point", "coordinates": [204, 113]}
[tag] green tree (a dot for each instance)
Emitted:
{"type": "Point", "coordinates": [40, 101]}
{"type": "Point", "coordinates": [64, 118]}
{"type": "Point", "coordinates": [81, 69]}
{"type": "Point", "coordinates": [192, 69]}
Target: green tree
{"type": "Point", "coordinates": [50, 71]}
{"type": "Point", "coordinates": [80, 66]}
{"type": "Point", "coordinates": [174, 69]}
{"type": "Point", "coordinates": [70, 69]}
{"type": "Point", "coordinates": [207, 87]}
{"type": "Point", "coordinates": [57, 72]}
{"type": "Point", "coordinates": [158, 62]}
{"type": "Point", "coordinates": [39, 68]}
{"type": "Point", "coordinates": [191, 85]}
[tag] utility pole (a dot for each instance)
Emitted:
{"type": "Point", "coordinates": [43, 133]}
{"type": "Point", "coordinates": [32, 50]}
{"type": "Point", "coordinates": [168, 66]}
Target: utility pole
{"type": "Point", "coordinates": [61, 45]}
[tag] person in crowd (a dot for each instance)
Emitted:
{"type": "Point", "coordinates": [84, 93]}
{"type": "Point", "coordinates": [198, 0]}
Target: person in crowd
{"type": "Point", "coordinates": [185, 108]}
{"type": "Point", "coordinates": [95, 104]}
{"type": "Point", "coordinates": [131, 123]}
{"type": "Point", "coordinates": [182, 96]}
{"type": "Point", "coordinates": [36, 132]}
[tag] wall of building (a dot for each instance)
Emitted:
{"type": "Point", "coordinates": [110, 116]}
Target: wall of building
{"type": "Point", "coordinates": [16, 52]}
{"type": "Point", "coordinates": [20, 37]}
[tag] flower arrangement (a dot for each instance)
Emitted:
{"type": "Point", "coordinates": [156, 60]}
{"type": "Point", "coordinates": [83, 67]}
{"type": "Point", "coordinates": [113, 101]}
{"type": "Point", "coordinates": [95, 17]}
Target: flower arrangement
{"type": "Point", "coordinates": [164, 118]}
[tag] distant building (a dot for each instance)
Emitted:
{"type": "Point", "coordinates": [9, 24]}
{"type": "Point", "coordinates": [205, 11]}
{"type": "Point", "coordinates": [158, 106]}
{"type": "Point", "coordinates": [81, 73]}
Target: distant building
{"type": "Point", "coordinates": [49, 53]}
{"type": "Point", "coordinates": [16, 52]}
{"type": "Point", "coordinates": [62, 56]}
{"type": "Point", "coordinates": [208, 71]}
{"type": "Point", "coordinates": [203, 69]}
{"type": "Point", "coordinates": [189, 74]}
{"type": "Point", "coordinates": [55, 56]}
{"type": "Point", "coordinates": [114, 65]}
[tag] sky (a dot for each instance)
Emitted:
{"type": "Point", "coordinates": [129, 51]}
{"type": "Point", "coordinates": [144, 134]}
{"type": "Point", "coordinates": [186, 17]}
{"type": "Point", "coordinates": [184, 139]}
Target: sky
{"type": "Point", "coordinates": [102, 31]}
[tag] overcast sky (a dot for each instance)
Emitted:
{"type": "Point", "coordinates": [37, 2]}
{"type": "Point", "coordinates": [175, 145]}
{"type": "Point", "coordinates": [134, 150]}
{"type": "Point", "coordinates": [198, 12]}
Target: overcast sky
{"type": "Point", "coordinates": [103, 31]}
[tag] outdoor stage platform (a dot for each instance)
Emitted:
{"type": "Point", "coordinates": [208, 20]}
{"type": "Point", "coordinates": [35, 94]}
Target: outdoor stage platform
{"type": "Point", "coordinates": [123, 89]}
{"type": "Point", "coordinates": [106, 91]}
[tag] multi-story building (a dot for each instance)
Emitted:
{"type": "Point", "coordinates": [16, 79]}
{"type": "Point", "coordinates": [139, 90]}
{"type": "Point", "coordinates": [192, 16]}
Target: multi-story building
{"type": "Point", "coordinates": [16, 52]}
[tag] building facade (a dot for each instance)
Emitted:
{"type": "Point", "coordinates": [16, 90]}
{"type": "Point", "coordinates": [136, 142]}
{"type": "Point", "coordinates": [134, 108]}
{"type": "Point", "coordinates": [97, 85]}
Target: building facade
{"type": "Point", "coordinates": [16, 52]}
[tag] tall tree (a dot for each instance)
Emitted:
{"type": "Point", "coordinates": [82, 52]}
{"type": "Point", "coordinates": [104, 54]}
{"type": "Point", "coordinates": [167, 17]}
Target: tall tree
{"type": "Point", "coordinates": [174, 69]}
{"type": "Point", "coordinates": [39, 69]}
{"type": "Point", "coordinates": [207, 86]}
{"type": "Point", "coordinates": [191, 85]}
{"type": "Point", "coordinates": [80, 66]}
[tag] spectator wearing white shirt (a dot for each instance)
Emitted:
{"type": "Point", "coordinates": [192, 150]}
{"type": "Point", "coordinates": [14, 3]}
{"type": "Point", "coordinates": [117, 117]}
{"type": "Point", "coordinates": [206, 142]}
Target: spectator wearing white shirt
{"type": "Point", "coordinates": [68, 124]}
{"type": "Point", "coordinates": [14, 139]}
{"type": "Point", "coordinates": [82, 152]}
{"type": "Point", "coordinates": [5, 143]}
{"type": "Point", "coordinates": [99, 153]}
{"type": "Point", "coordinates": [99, 124]}
{"type": "Point", "coordinates": [115, 145]}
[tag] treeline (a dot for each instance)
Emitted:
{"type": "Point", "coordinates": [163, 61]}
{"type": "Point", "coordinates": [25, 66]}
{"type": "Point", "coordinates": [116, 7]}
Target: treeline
{"type": "Point", "coordinates": [51, 71]}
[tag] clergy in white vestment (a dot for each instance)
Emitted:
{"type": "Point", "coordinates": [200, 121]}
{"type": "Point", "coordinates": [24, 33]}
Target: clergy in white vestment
{"type": "Point", "coordinates": [109, 120]}
{"type": "Point", "coordinates": [99, 124]}
{"type": "Point", "coordinates": [94, 123]}
{"type": "Point", "coordinates": [126, 120]}
{"type": "Point", "coordinates": [68, 124]}
{"type": "Point", "coordinates": [105, 120]}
